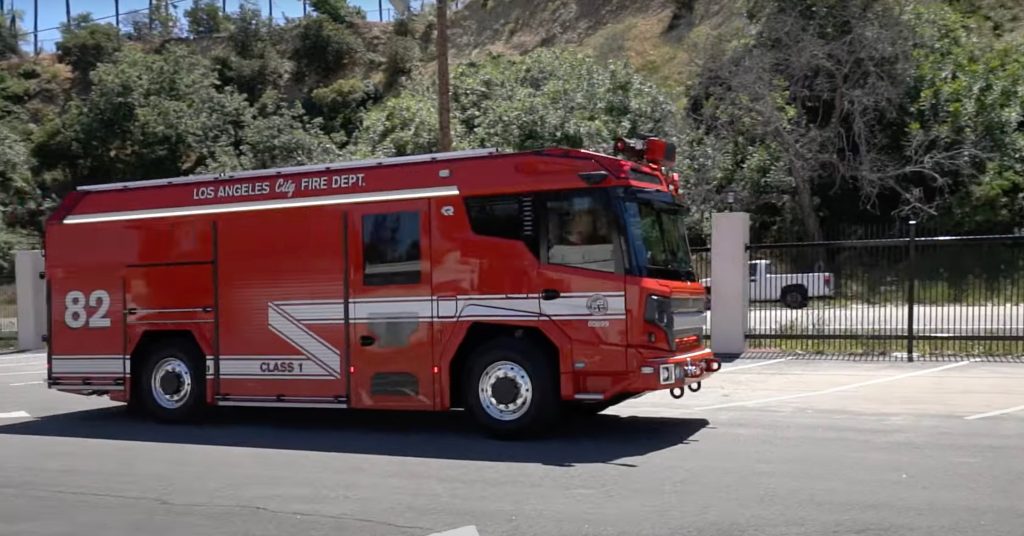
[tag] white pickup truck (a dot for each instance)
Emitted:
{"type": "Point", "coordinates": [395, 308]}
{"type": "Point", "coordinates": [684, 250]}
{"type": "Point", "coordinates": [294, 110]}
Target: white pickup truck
{"type": "Point", "coordinates": [793, 290]}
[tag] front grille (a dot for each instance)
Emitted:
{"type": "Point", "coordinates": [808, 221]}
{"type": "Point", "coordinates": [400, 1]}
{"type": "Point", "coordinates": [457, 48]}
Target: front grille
{"type": "Point", "coordinates": [689, 316]}
{"type": "Point", "coordinates": [687, 304]}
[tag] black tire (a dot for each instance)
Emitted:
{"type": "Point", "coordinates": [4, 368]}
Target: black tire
{"type": "Point", "coordinates": [501, 356]}
{"type": "Point", "coordinates": [183, 399]}
{"type": "Point", "coordinates": [794, 297]}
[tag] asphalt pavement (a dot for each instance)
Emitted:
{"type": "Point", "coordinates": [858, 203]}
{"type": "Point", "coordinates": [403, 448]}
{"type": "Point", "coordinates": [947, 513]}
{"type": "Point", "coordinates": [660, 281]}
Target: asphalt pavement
{"type": "Point", "coordinates": [767, 447]}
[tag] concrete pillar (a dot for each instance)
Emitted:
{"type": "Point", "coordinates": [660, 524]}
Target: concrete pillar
{"type": "Point", "coordinates": [31, 299]}
{"type": "Point", "coordinates": [730, 282]}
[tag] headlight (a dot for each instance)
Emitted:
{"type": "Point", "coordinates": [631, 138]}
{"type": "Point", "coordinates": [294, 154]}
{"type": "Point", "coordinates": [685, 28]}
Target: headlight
{"type": "Point", "coordinates": [658, 311]}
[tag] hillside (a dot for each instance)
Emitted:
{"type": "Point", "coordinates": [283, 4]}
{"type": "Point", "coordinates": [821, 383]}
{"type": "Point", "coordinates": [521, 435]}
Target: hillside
{"type": "Point", "coordinates": [666, 40]}
{"type": "Point", "coordinates": [817, 113]}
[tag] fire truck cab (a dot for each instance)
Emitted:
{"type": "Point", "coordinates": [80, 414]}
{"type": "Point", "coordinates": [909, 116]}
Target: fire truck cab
{"type": "Point", "coordinates": [512, 285]}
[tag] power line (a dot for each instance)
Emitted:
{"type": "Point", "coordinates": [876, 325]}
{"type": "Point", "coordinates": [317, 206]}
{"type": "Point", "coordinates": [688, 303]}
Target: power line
{"type": "Point", "coordinates": [98, 19]}
{"type": "Point", "coordinates": [386, 13]}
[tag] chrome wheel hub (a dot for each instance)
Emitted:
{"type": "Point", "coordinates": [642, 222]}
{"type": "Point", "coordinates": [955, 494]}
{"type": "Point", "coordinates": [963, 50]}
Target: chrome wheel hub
{"type": "Point", "coordinates": [505, 391]}
{"type": "Point", "coordinates": [171, 382]}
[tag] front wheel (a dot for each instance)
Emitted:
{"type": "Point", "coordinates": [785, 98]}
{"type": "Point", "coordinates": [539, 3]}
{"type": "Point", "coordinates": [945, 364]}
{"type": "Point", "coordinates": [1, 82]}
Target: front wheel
{"type": "Point", "coordinates": [511, 388]}
{"type": "Point", "coordinates": [172, 384]}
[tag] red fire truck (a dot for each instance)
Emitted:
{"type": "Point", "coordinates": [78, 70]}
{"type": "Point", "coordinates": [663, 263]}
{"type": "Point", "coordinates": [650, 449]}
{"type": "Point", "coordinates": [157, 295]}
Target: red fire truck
{"type": "Point", "coordinates": [512, 285]}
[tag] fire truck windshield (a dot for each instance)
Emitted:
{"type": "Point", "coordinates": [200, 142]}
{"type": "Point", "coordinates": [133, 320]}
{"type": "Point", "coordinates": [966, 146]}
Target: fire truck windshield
{"type": "Point", "coordinates": [657, 236]}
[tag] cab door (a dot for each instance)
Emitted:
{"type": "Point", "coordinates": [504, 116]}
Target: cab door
{"type": "Point", "coordinates": [582, 278]}
{"type": "Point", "coordinates": [390, 306]}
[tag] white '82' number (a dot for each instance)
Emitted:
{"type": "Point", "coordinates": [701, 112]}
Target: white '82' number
{"type": "Point", "coordinates": [75, 314]}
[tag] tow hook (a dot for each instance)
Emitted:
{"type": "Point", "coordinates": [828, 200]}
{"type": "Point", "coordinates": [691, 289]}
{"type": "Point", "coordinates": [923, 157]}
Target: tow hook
{"type": "Point", "coordinates": [694, 387]}
{"type": "Point", "coordinates": [676, 392]}
{"type": "Point", "coordinates": [714, 365]}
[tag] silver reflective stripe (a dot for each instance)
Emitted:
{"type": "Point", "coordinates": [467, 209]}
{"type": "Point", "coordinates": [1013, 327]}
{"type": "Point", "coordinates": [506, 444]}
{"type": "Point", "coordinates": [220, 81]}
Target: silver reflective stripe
{"type": "Point", "coordinates": [60, 387]}
{"type": "Point", "coordinates": [267, 204]}
{"type": "Point", "coordinates": [338, 405]}
{"type": "Point", "coordinates": [89, 365]}
{"type": "Point", "coordinates": [276, 172]}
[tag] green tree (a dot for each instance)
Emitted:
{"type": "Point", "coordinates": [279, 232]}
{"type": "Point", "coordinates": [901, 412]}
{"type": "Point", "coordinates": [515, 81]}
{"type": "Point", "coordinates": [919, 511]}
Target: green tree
{"type": "Point", "coordinates": [342, 104]}
{"type": "Point", "coordinates": [324, 48]}
{"type": "Point", "coordinates": [151, 116]}
{"type": "Point", "coordinates": [401, 55]}
{"type": "Point", "coordinates": [338, 11]}
{"type": "Point", "coordinates": [9, 42]}
{"type": "Point", "coordinates": [542, 99]}
{"type": "Point", "coordinates": [21, 206]}
{"type": "Point", "coordinates": [206, 19]}
{"type": "Point", "coordinates": [967, 103]}
{"type": "Point", "coordinates": [810, 110]}
{"type": "Point", "coordinates": [282, 135]}
{"type": "Point", "coordinates": [159, 24]}
{"type": "Point", "coordinates": [252, 63]}
{"type": "Point", "coordinates": [84, 44]}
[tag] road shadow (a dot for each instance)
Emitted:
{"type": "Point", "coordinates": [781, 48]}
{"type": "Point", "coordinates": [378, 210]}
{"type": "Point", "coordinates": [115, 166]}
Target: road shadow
{"type": "Point", "coordinates": [586, 440]}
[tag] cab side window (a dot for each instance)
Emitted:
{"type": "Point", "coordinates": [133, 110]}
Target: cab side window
{"type": "Point", "coordinates": [391, 249]}
{"type": "Point", "coordinates": [580, 231]}
{"type": "Point", "coordinates": [504, 216]}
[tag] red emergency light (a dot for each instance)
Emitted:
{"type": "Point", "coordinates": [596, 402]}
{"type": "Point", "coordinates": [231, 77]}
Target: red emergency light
{"type": "Point", "coordinates": [651, 150]}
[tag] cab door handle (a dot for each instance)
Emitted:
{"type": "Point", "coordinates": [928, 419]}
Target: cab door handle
{"type": "Point", "coordinates": [366, 340]}
{"type": "Point", "coordinates": [549, 294]}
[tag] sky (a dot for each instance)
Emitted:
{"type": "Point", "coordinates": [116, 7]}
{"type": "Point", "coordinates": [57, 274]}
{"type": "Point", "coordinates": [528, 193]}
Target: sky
{"type": "Point", "coordinates": [52, 12]}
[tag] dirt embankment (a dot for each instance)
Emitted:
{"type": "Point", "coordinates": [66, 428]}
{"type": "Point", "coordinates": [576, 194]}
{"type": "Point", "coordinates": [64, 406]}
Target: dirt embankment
{"type": "Point", "coordinates": [668, 40]}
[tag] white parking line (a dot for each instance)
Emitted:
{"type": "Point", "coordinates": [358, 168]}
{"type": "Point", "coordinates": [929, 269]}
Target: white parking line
{"type": "Point", "coordinates": [469, 530]}
{"type": "Point", "coordinates": [19, 364]}
{"type": "Point", "coordinates": [25, 383]}
{"type": "Point", "coordinates": [761, 364]}
{"type": "Point", "coordinates": [994, 413]}
{"type": "Point", "coordinates": [18, 373]}
{"type": "Point", "coordinates": [840, 388]}
{"type": "Point", "coordinates": [14, 415]}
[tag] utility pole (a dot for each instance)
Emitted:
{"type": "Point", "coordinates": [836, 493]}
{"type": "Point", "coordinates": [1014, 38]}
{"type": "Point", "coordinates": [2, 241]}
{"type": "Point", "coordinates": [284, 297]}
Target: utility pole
{"type": "Point", "coordinates": [224, 6]}
{"type": "Point", "coordinates": [380, 9]}
{"type": "Point", "coordinates": [444, 111]}
{"type": "Point", "coordinates": [150, 13]}
{"type": "Point", "coordinates": [35, 27]}
{"type": "Point", "coordinates": [117, 16]}
{"type": "Point", "coordinates": [303, 8]}
{"type": "Point", "coordinates": [271, 9]}
{"type": "Point", "coordinates": [67, 11]}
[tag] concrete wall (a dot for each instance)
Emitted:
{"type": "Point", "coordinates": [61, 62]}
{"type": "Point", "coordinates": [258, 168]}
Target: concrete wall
{"type": "Point", "coordinates": [730, 282]}
{"type": "Point", "coordinates": [31, 299]}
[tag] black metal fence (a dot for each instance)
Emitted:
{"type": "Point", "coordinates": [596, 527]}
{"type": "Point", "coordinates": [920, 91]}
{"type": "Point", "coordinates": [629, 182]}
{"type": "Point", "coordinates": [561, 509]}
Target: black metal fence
{"type": "Point", "coordinates": [8, 311]}
{"type": "Point", "coordinates": [916, 293]}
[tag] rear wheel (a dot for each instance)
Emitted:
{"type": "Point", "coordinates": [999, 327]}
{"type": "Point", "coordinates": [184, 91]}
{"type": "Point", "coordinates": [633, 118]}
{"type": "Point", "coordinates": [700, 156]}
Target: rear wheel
{"type": "Point", "coordinates": [794, 297]}
{"type": "Point", "coordinates": [511, 388]}
{"type": "Point", "coordinates": [172, 383]}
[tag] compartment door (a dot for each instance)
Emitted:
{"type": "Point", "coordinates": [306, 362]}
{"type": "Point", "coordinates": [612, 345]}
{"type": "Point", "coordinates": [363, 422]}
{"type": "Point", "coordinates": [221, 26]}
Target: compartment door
{"type": "Point", "coordinates": [391, 306]}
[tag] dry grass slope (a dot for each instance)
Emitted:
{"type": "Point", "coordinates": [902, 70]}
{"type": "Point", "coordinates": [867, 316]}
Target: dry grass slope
{"type": "Point", "coordinates": [667, 40]}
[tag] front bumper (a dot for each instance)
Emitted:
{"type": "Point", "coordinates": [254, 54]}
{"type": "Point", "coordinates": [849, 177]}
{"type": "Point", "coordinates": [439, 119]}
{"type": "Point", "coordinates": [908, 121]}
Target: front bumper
{"type": "Point", "coordinates": [650, 374]}
{"type": "Point", "coordinates": [679, 370]}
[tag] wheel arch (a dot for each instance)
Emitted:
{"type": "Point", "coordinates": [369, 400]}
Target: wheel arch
{"type": "Point", "coordinates": [152, 338]}
{"type": "Point", "coordinates": [474, 334]}
{"type": "Point", "coordinates": [800, 287]}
